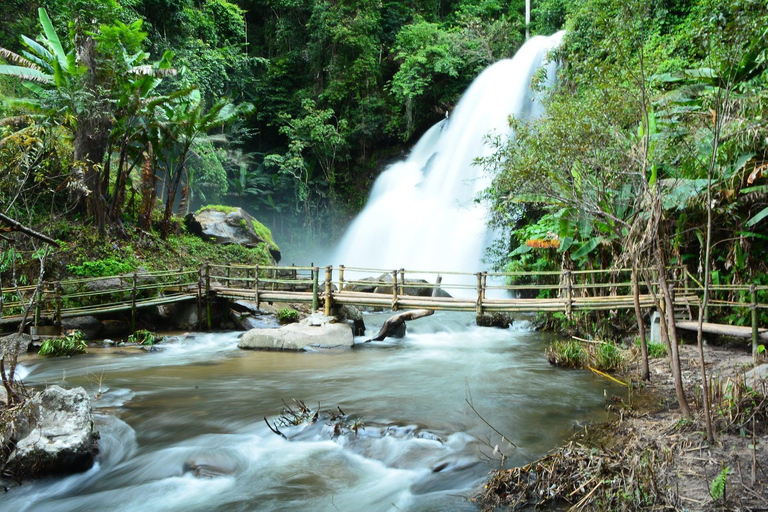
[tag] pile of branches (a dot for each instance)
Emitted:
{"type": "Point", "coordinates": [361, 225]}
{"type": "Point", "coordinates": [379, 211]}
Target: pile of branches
{"type": "Point", "coordinates": [300, 414]}
{"type": "Point", "coordinates": [741, 407]}
{"type": "Point", "coordinates": [627, 477]}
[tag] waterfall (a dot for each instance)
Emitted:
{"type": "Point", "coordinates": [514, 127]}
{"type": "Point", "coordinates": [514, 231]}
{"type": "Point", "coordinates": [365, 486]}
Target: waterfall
{"type": "Point", "coordinates": [422, 212]}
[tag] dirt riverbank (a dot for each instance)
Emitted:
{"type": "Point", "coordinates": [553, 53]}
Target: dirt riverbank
{"type": "Point", "coordinates": [651, 458]}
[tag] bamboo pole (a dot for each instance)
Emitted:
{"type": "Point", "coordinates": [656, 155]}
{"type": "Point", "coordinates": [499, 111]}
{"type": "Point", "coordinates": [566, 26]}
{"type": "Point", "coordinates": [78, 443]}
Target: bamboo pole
{"type": "Point", "coordinates": [209, 320]}
{"type": "Point", "coordinates": [568, 295]}
{"type": "Point", "coordinates": [394, 290]}
{"type": "Point", "coordinates": [485, 282]}
{"type": "Point", "coordinates": [402, 281]}
{"type": "Point", "coordinates": [328, 288]}
{"type": "Point", "coordinates": [229, 267]}
{"type": "Point", "coordinates": [753, 293]}
{"type": "Point", "coordinates": [479, 304]}
{"type": "Point", "coordinates": [133, 301]}
{"type": "Point", "coordinates": [256, 286]}
{"type": "Point", "coordinates": [341, 278]}
{"type": "Point", "coordinates": [315, 274]}
{"type": "Point", "coordinates": [200, 297]}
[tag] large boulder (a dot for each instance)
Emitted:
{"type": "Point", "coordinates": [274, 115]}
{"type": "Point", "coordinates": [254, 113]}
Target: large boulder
{"type": "Point", "coordinates": [413, 287]}
{"type": "Point", "coordinates": [90, 326]}
{"type": "Point", "coordinates": [301, 336]}
{"type": "Point", "coordinates": [8, 344]}
{"type": "Point", "coordinates": [228, 225]}
{"type": "Point", "coordinates": [57, 436]}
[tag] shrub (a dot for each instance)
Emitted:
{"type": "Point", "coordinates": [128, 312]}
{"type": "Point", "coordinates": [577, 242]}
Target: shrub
{"type": "Point", "coordinates": [144, 337]}
{"type": "Point", "coordinates": [287, 316]}
{"type": "Point", "coordinates": [71, 344]}
{"type": "Point", "coordinates": [99, 268]}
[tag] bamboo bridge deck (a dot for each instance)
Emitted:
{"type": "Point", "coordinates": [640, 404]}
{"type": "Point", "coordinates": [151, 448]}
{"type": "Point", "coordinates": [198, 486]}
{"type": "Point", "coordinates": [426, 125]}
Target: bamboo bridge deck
{"type": "Point", "coordinates": [567, 292]}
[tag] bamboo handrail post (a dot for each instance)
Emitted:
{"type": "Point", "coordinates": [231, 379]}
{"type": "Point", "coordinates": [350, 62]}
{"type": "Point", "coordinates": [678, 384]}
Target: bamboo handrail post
{"type": "Point", "coordinates": [341, 277]}
{"type": "Point", "coordinates": [753, 306]}
{"type": "Point", "coordinates": [200, 297]}
{"type": "Point", "coordinates": [37, 309]}
{"type": "Point", "coordinates": [568, 284]}
{"type": "Point", "coordinates": [315, 274]}
{"type": "Point", "coordinates": [402, 281]}
{"type": "Point", "coordinates": [209, 320]}
{"type": "Point", "coordinates": [274, 277]}
{"type": "Point", "coordinates": [293, 276]}
{"type": "Point", "coordinates": [479, 304]}
{"type": "Point", "coordinates": [133, 301]}
{"type": "Point", "coordinates": [57, 298]}
{"type": "Point", "coordinates": [256, 286]}
{"type": "Point", "coordinates": [226, 280]}
{"type": "Point", "coordinates": [485, 282]}
{"type": "Point", "coordinates": [328, 285]}
{"type": "Point", "coordinates": [394, 290]}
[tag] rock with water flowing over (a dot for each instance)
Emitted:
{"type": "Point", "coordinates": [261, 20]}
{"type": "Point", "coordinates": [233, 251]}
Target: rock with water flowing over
{"type": "Point", "coordinates": [54, 434]}
{"type": "Point", "coordinates": [315, 331]}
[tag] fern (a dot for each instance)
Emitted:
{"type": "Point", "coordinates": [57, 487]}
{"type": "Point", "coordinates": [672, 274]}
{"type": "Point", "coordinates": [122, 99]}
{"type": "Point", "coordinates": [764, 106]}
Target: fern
{"type": "Point", "coordinates": [717, 489]}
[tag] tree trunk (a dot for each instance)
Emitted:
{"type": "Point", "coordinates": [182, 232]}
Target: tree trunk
{"type": "Point", "coordinates": [645, 373]}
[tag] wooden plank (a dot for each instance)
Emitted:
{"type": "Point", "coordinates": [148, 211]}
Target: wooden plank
{"type": "Point", "coordinates": [722, 329]}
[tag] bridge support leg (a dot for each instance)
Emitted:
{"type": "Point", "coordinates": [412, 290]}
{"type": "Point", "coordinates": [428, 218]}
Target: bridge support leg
{"type": "Point", "coordinates": [753, 306]}
{"type": "Point", "coordinates": [208, 296]}
{"type": "Point", "coordinates": [315, 278]}
{"type": "Point", "coordinates": [328, 290]}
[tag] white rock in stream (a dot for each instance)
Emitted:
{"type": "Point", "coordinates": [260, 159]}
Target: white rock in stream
{"type": "Point", "coordinates": [55, 435]}
{"type": "Point", "coordinates": [299, 337]}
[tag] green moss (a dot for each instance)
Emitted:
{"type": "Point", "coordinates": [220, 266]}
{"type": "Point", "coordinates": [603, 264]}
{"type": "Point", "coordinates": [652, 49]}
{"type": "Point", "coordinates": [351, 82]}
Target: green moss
{"type": "Point", "coordinates": [264, 233]}
{"type": "Point", "coordinates": [218, 208]}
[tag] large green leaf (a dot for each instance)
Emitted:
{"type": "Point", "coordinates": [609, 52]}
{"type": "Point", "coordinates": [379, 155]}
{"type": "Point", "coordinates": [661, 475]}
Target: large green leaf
{"type": "Point", "coordinates": [53, 39]}
{"type": "Point", "coordinates": [757, 218]}
{"type": "Point", "coordinates": [25, 73]}
{"type": "Point", "coordinates": [587, 247]}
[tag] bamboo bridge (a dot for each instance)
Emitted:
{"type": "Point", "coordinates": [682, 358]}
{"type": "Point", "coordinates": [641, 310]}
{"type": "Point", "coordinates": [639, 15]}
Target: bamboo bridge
{"type": "Point", "coordinates": [566, 292]}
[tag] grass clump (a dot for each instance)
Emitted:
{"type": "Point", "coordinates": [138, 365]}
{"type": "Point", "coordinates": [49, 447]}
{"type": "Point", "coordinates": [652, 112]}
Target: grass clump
{"type": "Point", "coordinates": [568, 354]}
{"type": "Point", "coordinates": [287, 316]}
{"type": "Point", "coordinates": [655, 350]}
{"type": "Point", "coordinates": [573, 354]}
{"type": "Point", "coordinates": [144, 337]}
{"type": "Point", "coordinates": [71, 344]}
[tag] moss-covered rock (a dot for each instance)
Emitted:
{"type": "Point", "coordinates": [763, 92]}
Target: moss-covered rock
{"type": "Point", "coordinates": [229, 225]}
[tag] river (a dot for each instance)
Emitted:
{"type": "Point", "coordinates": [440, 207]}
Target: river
{"type": "Point", "coordinates": [202, 399]}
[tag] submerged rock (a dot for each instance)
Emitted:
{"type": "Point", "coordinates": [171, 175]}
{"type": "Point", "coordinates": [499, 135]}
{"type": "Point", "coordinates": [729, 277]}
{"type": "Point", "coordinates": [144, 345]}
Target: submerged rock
{"type": "Point", "coordinates": [500, 320]}
{"type": "Point", "coordinates": [55, 434]}
{"type": "Point", "coordinates": [211, 465]}
{"type": "Point", "coordinates": [299, 337]}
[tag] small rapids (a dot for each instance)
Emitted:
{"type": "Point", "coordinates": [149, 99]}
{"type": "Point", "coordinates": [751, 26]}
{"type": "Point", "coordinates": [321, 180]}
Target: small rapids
{"type": "Point", "coordinates": [183, 428]}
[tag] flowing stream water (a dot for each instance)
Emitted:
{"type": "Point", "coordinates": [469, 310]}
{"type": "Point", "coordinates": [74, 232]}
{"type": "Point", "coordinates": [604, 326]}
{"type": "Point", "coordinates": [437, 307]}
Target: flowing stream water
{"type": "Point", "coordinates": [203, 400]}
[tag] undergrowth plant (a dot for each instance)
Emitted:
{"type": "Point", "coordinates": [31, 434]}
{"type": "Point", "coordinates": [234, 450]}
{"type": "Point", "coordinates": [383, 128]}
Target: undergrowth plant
{"type": "Point", "coordinates": [144, 337]}
{"type": "Point", "coordinates": [71, 344]}
{"type": "Point", "coordinates": [287, 316]}
{"type": "Point", "coordinates": [568, 354]}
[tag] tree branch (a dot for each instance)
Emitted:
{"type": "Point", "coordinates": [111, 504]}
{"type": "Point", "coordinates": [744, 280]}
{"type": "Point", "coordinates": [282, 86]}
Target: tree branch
{"type": "Point", "coordinates": [17, 226]}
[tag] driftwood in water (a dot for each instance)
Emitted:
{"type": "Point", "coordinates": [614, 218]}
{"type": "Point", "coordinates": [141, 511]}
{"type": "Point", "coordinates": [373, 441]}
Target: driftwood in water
{"type": "Point", "coordinates": [393, 323]}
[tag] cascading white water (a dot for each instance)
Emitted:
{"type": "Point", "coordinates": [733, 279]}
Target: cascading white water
{"type": "Point", "coordinates": [421, 213]}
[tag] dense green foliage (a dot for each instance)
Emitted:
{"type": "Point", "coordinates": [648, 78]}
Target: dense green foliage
{"type": "Point", "coordinates": [654, 97]}
{"type": "Point", "coordinates": [134, 90]}
{"type": "Point", "coordinates": [144, 337]}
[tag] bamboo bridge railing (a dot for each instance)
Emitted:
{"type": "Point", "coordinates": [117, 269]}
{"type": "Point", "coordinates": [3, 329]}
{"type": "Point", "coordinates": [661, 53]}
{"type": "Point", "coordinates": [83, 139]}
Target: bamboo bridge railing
{"type": "Point", "coordinates": [481, 292]}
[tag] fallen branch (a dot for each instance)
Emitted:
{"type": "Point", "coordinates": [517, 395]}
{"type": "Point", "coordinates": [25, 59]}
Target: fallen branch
{"type": "Point", "coordinates": [396, 321]}
{"type": "Point", "coordinates": [17, 226]}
